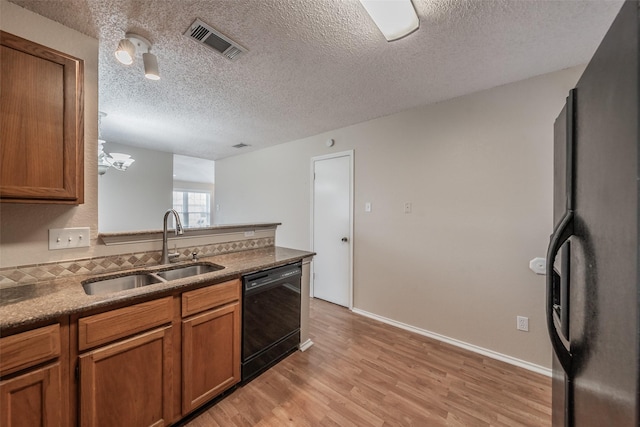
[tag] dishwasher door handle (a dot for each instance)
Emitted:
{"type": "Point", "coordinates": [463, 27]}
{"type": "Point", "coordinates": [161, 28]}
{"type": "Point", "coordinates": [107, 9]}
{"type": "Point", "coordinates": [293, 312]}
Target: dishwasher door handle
{"type": "Point", "coordinates": [251, 287]}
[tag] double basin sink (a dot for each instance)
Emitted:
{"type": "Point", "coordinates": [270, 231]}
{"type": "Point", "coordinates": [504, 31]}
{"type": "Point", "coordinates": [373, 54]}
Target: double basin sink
{"type": "Point", "coordinates": [137, 279]}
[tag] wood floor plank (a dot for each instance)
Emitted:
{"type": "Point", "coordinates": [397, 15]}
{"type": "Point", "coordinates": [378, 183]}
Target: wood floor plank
{"type": "Point", "coordinates": [361, 372]}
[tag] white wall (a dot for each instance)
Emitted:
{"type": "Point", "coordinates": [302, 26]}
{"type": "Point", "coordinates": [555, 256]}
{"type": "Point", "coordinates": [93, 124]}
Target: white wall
{"type": "Point", "coordinates": [478, 170]}
{"type": "Point", "coordinates": [136, 199]}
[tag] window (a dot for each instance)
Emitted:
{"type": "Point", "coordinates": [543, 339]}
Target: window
{"type": "Point", "coordinates": [194, 207]}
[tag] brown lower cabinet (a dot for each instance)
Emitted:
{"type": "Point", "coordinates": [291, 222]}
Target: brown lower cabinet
{"type": "Point", "coordinates": [34, 377]}
{"type": "Point", "coordinates": [145, 364]}
{"type": "Point", "coordinates": [128, 383]}
{"type": "Point", "coordinates": [137, 363]}
{"type": "Point", "coordinates": [32, 399]}
{"type": "Point", "coordinates": [210, 354]}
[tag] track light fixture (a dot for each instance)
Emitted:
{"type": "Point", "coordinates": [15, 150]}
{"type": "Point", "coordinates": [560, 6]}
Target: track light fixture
{"type": "Point", "coordinates": [132, 44]}
{"type": "Point", "coordinates": [125, 52]}
{"type": "Point", "coordinates": [150, 66]}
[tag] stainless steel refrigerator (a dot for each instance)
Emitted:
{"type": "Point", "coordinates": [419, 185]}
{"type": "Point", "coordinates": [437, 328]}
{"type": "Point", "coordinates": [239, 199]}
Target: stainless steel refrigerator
{"type": "Point", "coordinates": [593, 259]}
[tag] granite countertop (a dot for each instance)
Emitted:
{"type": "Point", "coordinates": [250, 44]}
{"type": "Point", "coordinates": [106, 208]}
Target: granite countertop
{"type": "Point", "coordinates": [26, 304]}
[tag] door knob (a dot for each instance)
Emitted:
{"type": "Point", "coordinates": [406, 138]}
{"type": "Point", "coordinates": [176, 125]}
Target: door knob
{"type": "Point", "coordinates": [344, 239]}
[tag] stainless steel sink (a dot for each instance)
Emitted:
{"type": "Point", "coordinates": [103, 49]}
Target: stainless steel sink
{"type": "Point", "coordinates": [107, 285]}
{"type": "Point", "coordinates": [99, 286]}
{"type": "Point", "coordinates": [187, 271]}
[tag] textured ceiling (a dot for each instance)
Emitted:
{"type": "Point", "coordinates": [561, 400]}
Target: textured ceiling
{"type": "Point", "coordinates": [312, 65]}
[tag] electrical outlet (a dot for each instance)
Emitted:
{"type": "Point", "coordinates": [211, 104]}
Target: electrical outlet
{"type": "Point", "coordinates": [522, 323]}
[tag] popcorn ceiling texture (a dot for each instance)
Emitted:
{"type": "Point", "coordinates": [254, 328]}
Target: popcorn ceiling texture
{"type": "Point", "coordinates": [27, 274]}
{"type": "Point", "coordinates": [312, 66]}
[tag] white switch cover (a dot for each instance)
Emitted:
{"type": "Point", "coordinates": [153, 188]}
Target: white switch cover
{"type": "Point", "coordinates": [367, 207]}
{"type": "Point", "coordinates": [538, 265]}
{"type": "Point", "coordinates": [67, 238]}
{"type": "Point", "coordinates": [407, 207]}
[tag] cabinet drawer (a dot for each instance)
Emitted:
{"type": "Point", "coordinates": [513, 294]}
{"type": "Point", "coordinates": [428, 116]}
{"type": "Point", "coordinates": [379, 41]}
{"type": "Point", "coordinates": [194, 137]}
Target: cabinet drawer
{"type": "Point", "coordinates": [112, 325]}
{"type": "Point", "coordinates": [29, 348]}
{"type": "Point", "coordinates": [212, 296]}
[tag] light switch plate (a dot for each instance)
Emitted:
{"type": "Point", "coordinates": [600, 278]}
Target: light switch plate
{"type": "Point", "coordinates": [68, 238]}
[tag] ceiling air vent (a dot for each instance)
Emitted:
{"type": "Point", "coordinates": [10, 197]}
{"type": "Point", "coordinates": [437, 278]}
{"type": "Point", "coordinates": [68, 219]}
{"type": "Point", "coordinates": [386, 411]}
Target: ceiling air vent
{"type": "Point", "coordinates": [205, 34]}
{"type": "Point", "coordinates": [241, 145]}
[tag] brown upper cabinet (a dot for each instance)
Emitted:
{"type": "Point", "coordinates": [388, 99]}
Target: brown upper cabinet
{"type": "Point", "coordinates": [41, 121]}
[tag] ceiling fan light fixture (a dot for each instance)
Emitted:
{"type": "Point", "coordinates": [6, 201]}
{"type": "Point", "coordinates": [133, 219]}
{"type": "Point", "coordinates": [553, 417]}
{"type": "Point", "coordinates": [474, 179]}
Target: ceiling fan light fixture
{"type": "Point", "coordinates": [395, 18]}
{"type": "Point", "coordinates": [151, 70]}
{"type": "Point", "coordinates": [103, 164]}
{"type": "Point", "coordinates": [120, 161]}
{"type": "Point", "coordinates": [125, 52]}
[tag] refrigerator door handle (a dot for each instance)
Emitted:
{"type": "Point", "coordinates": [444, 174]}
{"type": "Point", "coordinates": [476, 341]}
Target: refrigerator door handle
{"type": "Point", "coordinates": [561, 234]}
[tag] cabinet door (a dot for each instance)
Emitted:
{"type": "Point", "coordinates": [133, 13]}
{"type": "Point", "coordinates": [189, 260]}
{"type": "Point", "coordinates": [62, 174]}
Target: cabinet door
{"type": "Point", "coordinates": [128, 383]}
{"type": "Point", "coordinates": [210, 355]}
{"type": "Point", "coordinates": [32, 399]}
{"type": "Point", "coordinates": [41, 126]}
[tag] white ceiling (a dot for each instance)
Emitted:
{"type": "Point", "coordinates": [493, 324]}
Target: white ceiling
{"type": "Point", "coordinates": [312, 65]}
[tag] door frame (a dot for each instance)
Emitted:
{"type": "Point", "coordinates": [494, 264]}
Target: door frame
{"type": "Point", "coordinates": [350, 154]}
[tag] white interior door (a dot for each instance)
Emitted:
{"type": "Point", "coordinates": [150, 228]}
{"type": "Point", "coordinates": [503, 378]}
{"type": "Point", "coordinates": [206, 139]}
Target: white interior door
{"type": "Point", "coordinates": [332, 219]}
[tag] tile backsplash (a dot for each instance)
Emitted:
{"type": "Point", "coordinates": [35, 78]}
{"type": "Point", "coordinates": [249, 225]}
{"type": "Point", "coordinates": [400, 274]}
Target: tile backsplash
{"type": "Point", "coordinates": [26, 274]}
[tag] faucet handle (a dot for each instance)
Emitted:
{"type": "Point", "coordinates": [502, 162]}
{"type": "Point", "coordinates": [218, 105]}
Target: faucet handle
{"type": "Point", "coordinates": [173, 257]}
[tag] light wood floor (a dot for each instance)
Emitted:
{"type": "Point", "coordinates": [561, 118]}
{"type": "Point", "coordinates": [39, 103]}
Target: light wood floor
{"type": "Point", "coordinates": [364, 373]}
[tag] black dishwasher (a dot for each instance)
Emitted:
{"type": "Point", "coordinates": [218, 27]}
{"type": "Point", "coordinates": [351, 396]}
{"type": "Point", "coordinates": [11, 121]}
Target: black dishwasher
{"type": "Point", "coordinates": [270, 317]}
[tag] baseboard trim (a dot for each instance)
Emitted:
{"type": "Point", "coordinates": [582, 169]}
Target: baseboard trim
{"type": "Point", "coordinates": [471, 347]}
{"type": "Point", "coordinates": [304, 346]}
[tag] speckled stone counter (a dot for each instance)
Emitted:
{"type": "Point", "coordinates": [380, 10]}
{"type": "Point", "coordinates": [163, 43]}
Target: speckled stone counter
{"type": "Point", "coordinates": [33, 303]}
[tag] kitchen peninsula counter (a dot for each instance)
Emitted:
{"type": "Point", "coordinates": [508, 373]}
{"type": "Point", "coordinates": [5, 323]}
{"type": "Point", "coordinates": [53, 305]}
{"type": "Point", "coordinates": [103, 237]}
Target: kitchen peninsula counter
{"type": "Point", "coordinates": [24, 305]}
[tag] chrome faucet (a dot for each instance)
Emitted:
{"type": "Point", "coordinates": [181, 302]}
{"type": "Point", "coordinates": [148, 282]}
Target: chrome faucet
{"type": "Point", "coordinates": [166, 256]}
